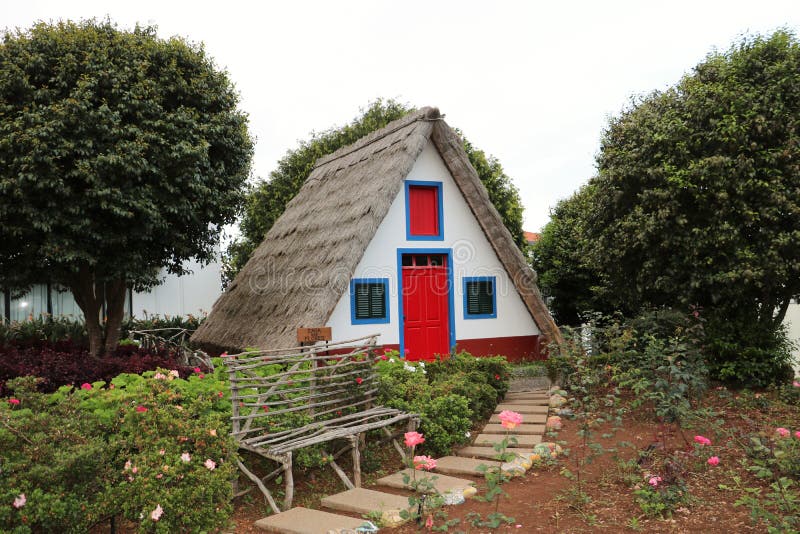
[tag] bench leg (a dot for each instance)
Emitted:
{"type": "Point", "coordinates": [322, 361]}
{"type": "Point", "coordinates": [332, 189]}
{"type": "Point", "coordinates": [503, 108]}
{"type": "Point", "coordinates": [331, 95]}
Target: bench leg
{"type": "Point", "coordinates": [289, 481]}
{"type": "Point", "coordinates": [356, 460]}
{"type": "Point", "coordinates": [261, 486]}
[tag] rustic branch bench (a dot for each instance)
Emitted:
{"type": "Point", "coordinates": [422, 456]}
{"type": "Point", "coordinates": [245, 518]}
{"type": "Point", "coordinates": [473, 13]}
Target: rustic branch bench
{"type": "Point", "coordinates": [287, 399]}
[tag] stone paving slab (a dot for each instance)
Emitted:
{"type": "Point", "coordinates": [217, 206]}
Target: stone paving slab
{"type": "Point", "coordinates": [473, 451]}
{"type": "Point", "coordinates": [527, 419]}
{"type": "Point", "coordinates": [521, 408]}
{"type": "Point", "coordinates": [492, 439]}
{"type": "Point", "coordinates": [444, 484]}
{"type": "Point", "coordinates": [364, 501]}
{"type": "Point", "coordinates": [460, 465]}
{"type": "Point", "coordinates": [301, 520]}
{"type": "Point", "coordinates": [524, 429]}
{"type": "Point", "coordinates": [527, 402]}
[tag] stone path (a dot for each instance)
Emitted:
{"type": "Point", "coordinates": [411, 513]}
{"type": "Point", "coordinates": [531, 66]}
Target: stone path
{"type": "Point", "coordinates": [531, 403]}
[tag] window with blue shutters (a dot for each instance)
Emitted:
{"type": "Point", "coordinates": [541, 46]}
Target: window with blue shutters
{"type": "Point", "coordinates": [480, 297]}
{"type": "Point", "coordinates": [369, 300]}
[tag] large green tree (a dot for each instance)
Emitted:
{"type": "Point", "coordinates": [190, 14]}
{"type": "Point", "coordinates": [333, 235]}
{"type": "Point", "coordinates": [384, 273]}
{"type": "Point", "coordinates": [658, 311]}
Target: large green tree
{"type": "Point", "coordinates": [268, 198]}
{"type": "Point", "coordinates": [120, 154]}
{"type": "Point", "coordinates": [698, 194]}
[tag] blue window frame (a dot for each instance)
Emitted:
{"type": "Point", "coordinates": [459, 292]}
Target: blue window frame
{"type": "Point", "coordinates": [480, 297]}
{"type": "Point", "coordinates": [439, 215]}
{"type": "Point", "coordinates": [369, 300]}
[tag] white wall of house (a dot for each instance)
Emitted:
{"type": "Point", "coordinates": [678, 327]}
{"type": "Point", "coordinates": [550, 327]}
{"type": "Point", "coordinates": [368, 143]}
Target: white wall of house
{"type": "Point", "coordinates": [792, 321]}
{"type": "Point", "coordinates": [177, 295]}
{"type": "Point", "coordinates": [182, 295]}
{"type": "Point", "coordinates": [472, 256]}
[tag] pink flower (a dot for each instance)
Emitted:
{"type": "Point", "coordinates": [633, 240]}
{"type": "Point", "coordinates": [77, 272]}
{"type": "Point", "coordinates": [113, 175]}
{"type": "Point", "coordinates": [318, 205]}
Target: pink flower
{"type": "Point", "coordinates": [497, 377]}
{"type": "Point", "coordinates": [509, 419]}
{"type": "Point", "coordinates": [160, 376]}
{"type": "Point", "coordinates": [796, 384]}
{"type": "Point", "coordinates": [797, 434]}
{"type": "Point", "coordinates": [156, 514]}
{"type": "Point", "coordinates": [174, 374]}
{"type": "Point", "coordinates": [20, 501]}
{"type": "Point", "coordinates": [413, 439]}
{"type": "Point", "coordinates": [197, 370]}
{"type": "Point", "coordinates": [210, 464]}
{"type": "Point", "coordinates": [162, 452]}
{"type": "Point", "coordinates": [714, 460]}
{"type": "Point", "coordinates": [219, 394]}
{"type": "Point", "coordinates": [134, 470]}
{"type": "Point", "coordinates": [654, 481]}
{"type": "Point", "coordinates": [86, 385]}
{"type": "Point", "coordinates": [201, 376]}
{"type": "Point", "coordinates": [429, 522]}
{"type": "Point", "coordinates": [702, 441]}
{"type": "Point", "coordinates": [223, 355]}
{"type": "Point", "coordinates": [160, 475]}
{"type": "Point", "coordinates": [384, 357]}
{"type": "Point", "coordinates": [359, 380]}
{"type": "Point", "coordinates": [141, 409]}
{"type": "Point", "coordinates": [424, 462]}
{"type": "Point", "coordinates": [13, 401]}
{"type": "Point", "coordinates": [782, 432]}
{"type": "Point", "coordinates": [186, 457]}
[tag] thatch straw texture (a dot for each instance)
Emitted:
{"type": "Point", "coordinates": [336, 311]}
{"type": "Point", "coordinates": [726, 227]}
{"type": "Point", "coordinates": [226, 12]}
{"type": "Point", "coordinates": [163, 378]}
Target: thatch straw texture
{"type": "Point", "coordinates": [304, 265]}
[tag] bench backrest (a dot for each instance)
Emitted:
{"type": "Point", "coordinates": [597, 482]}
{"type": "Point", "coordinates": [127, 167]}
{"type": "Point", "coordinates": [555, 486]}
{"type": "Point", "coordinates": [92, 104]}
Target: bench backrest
{"type": "Point", "coordinates": [275, 391]}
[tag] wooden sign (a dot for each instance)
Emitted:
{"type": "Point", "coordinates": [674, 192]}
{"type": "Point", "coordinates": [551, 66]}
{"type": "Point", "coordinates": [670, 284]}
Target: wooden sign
{"type": "Point", "coordinates": [312, 335]}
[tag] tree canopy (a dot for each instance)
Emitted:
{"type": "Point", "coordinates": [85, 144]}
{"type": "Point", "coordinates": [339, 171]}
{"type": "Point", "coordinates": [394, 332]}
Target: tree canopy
{"type": "Point", "coordinates": [697, 197]}
{"type": "Point", "coordinates": [267, 199]}
{"type": "Point", "coordinates": [120, 154]}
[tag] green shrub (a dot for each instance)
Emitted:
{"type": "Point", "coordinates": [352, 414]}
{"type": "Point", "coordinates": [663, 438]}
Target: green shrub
{"type": "Point", "coordinates": [82, 456]}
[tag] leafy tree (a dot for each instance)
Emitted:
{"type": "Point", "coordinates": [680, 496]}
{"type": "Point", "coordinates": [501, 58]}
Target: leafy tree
{"type": "Point", "coordinates": [566, 273]}
{"type": "Point", "coordinates": [120, 153]}
{"type": "Point", "coordinates": [697, 200]}
{"type": "Point", "coordinates": [268, 199]}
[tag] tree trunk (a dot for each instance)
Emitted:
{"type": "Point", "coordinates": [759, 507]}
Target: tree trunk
{"type": "Point", "coordinates": [115, 297]}
{"type": "Point", "coordinates": [88, 294]}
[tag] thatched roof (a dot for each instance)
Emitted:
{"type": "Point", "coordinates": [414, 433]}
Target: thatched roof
{"type": "Point", "coordinates": [302, 268]}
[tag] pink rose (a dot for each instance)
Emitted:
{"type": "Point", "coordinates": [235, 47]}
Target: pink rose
{"type": "Point", "coordinates": [186, 457]}
{"type": "Point", "coordinates": [714, 460]}
{"type": "Point", "coordinates": [13, 401]}
{"type": "Point", "coordinates": [86, 385]}
{"type": "Point", "coordinates": [20, 501]}
{"type": "Point", "coordinates": [797, 434]}
{"type": "Point", "coordinates": [509, 419]}
{"type": "Point", "coordinates": [654, 481]}
{"type": "Point", "coordinates": [782, 432]}
{"type": "Point", "coordinates": [156, 514]}
{"type": "Point", "coordinates": [413, 439]}
{"type": "Point", "coordinates": [210, 464]}
{"type": "Point", "coordinates": [424, 462]}
{"type": "Point", "coordinates": [197, 370]}
{"type": "Point", "coordinates": [702, 441]}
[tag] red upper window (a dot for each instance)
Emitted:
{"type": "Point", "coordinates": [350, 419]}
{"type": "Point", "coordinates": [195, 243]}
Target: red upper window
{"type": "Point", "coordinates": [423, 210]}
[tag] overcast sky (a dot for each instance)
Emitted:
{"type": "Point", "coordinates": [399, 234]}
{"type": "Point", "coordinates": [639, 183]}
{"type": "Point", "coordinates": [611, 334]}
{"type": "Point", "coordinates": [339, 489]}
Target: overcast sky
{"type": "Point", "coordinates": [531, 83]}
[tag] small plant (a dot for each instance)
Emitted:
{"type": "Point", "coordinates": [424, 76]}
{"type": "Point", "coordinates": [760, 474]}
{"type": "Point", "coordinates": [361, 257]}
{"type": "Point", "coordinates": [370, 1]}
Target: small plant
{"type": "Point", "coordinates": [495, 477]}
{"type": "Point", "coordinates": [425, 497]}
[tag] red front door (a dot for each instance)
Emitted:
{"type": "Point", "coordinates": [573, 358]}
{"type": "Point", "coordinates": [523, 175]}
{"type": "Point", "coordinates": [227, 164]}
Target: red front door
{"type": "Point", "coordinates": [426, 320]}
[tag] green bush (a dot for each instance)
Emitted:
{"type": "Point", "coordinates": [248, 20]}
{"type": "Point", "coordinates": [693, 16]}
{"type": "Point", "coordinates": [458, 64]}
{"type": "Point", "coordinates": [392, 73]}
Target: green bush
{"type": "Point", "coordinates": [447, 393]}
{"type": "Point", "coordinates": [82, 456]}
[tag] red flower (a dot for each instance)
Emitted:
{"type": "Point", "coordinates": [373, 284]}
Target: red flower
{"type": "Point", "coordinates": [359, 380]}
{"type": "Point", "coordinates": [497, 377]}
{"type": "Point", "coordinates": [13, 401]}
{"type": "Point", "coordinates": [197, 370]}
{"type": "Point", "coordinates": [86, 386]}
{"type": "Point", "coordinates": [141, 409]}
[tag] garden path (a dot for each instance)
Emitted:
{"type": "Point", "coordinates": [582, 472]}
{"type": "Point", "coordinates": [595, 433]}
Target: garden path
{"type": "Point", "coordinates": [528, 396]}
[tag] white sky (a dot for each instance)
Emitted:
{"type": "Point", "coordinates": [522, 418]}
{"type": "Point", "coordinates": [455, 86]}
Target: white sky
{"type": "Point", "coordinates": [532, 83]}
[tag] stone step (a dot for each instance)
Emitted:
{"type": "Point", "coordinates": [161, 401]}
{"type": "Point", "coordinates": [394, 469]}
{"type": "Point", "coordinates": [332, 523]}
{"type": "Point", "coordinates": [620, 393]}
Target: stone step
{"type": "Point", "coordinates": [527, 395]}
{"type": "Point", "coordinates": [365, 501]}
{"type": "Point", "coordinates": [461, 465]}
{"type": "Point", "coordinates": [527, 419]}
{"type": "Point", "coordinates": [527, 402]}
{"type": "Point", "coordinates": [488, 440]}
{"type": "Point", "coordinates": [521, 408]}
{"type": "Point", "coordinates": [456, 487]}
{"type": "Point", "coordinates": [301, 520]}
{"type": "Point", "coordinates": [474, 451]}
{"type": "Point", "coordinates": [524, 429]}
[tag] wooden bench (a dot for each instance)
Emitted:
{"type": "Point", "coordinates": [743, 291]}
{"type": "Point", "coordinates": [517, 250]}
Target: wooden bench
{"type": "Point", "coordinates": [287, 399]}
